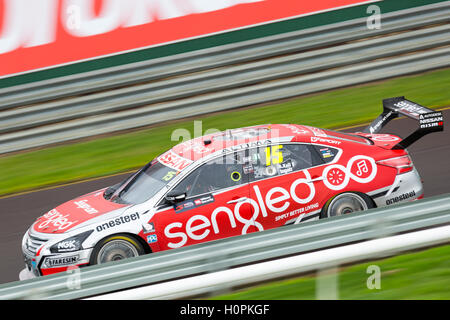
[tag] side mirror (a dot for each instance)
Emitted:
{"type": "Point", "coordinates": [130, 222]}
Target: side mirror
{"type": "Point", "coordinates": [175, 196]}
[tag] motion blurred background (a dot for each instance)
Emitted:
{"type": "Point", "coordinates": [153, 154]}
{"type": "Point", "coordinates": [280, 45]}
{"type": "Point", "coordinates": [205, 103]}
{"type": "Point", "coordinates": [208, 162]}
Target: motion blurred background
{"type": "Point", "coordinates": [92, 90]}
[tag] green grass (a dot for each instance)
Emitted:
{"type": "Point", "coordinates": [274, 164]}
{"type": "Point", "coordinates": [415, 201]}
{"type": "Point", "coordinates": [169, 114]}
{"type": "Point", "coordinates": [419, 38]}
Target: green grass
{"type": "Point", "coordinates": [123, 152]}
{"type": "Point", "coordinates": [422, 275]}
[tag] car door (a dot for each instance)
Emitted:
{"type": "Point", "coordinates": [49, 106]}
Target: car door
{"type": "Point", "coordinates": [284, 180]}
{"type": "Point", "coordinates": [217, 205]}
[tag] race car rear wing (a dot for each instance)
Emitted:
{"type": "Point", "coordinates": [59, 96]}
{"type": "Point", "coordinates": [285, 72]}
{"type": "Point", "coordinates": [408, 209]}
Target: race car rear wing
{"type": "Point", "coordinates": [428, 119]}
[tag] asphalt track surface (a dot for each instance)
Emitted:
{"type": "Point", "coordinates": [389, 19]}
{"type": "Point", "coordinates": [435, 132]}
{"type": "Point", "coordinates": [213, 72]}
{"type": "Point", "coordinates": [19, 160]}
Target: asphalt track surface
{"type": "Point", "coordinates": [431, 157]}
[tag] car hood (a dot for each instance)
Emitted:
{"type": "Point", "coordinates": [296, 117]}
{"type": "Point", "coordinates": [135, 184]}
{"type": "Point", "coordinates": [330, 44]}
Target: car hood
{"type": "Point", "coordinates": [76, 212]}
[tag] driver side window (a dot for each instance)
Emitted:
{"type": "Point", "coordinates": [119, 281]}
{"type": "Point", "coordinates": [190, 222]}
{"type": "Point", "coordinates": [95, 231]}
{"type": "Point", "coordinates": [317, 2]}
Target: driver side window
{"type": "Point", "coordinates": [220, 173]}
{"type": "Point", "coordinates": [279, 159]}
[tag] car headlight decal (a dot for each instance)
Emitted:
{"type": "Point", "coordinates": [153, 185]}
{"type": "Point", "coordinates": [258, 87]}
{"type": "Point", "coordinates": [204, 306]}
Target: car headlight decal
{"type": "Point", "coordinates": [71, 244]}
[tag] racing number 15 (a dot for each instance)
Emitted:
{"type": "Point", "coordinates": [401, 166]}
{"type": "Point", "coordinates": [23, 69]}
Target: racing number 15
{"type": "Point", "coordinates": [169, 175]}
{"type": "Point", "coordinates": [274, 155]}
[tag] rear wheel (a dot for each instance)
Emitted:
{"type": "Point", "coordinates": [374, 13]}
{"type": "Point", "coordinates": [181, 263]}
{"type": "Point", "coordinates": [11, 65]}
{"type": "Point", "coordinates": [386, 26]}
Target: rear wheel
{"type": "Point", "coordinates": [346, 203]}
{"type": "Point", "coordinates": [116, 247]}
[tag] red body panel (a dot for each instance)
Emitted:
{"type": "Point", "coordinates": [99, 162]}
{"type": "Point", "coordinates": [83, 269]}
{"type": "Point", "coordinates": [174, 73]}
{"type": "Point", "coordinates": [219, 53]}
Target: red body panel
{"type": "Point", "coordinates": [214, 220]}
{"type": "Point", "coordinates": [277, 200]}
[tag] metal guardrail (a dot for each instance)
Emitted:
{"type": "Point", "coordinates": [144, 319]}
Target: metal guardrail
{"type": "Point", "coordinates": [224, 100]}
{"type": "Point", "coordinates": [224, 78]}
{"type": "Point", "coordinates": [236, 251]}
{"type": "Point", "coordinates": [210, 80]}
{"type": "Point", "coordinates": [220, 56]}
{"type": "Point", "coordinates": [318, 261]}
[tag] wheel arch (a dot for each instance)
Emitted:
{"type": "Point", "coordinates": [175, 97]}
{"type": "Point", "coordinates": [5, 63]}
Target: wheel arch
{"type": "Point", "coordinates": [371, 202]}
{"type": "Point", "coordinates": [130, 235]}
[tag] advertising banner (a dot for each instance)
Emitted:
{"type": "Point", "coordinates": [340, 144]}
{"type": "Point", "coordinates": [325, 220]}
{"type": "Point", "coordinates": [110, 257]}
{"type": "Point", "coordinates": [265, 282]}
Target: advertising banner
{"type": "Point", "coordinates": [38, 34]}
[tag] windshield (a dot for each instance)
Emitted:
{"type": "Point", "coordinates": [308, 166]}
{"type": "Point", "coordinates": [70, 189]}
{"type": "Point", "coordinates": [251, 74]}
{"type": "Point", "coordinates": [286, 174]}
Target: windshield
{"type": "Point", "coordinates": [144, 184]}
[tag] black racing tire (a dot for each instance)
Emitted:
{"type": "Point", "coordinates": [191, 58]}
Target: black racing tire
{"type": "Point", "coordinates": [116, 247]}
{"type": "Point", "coordinates": [346, 203]}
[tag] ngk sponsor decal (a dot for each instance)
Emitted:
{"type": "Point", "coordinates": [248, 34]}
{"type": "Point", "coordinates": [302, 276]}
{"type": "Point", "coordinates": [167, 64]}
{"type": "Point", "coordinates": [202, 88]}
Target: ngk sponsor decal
{"type": "Point", "coordinates": [41, 33]}
{"type": "Point", "coordinates": [55, 219]}
{"type": "Point", "coordinates": [67, 245]}
{"type": "Point", "coordinates": [301, 191]}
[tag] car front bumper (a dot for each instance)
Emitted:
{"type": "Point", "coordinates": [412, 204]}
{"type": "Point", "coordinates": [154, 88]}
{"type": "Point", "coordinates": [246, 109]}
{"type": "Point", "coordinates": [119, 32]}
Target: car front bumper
{"type": "Point", "coordinates": [36, 266]}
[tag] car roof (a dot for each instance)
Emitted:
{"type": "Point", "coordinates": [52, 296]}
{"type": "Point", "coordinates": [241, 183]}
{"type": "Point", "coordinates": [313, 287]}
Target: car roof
{"type": "Point", "coordinates": [205, 147]}
{"type": "Point", "coordinates": [200, 147]}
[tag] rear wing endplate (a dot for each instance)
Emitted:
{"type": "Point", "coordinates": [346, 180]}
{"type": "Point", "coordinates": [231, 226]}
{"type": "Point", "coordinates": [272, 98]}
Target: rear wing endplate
{"type": "Point", "coordinates": [428, 120]}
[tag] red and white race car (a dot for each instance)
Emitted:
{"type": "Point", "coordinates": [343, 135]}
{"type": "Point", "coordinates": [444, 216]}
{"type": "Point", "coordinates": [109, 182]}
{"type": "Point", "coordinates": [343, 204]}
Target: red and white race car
{"type": "Point", "coordinates": [232, 183]}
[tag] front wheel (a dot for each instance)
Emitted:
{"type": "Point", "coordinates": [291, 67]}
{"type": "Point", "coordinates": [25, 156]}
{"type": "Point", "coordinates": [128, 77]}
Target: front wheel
{"type": "Point", "coordinates": [346, 203]}
{"type": "Point", "coordinates": [116, 247]}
